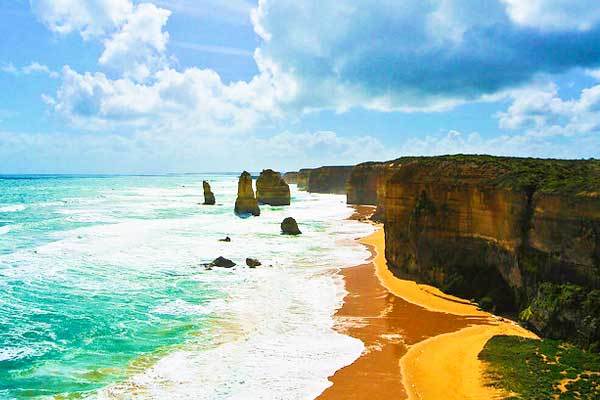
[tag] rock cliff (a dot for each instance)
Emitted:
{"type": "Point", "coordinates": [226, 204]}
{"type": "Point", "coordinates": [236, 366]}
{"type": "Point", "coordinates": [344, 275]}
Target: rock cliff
{"type": "Point", "coordinates": [330, 179]}
{"type": "Point", "coordinates": [302, 178]}
{"type": "Point", "coordinates": [366, 184]}
{"type": "Point", "coordinates": [272, 189]}
{"type": "Point", "coordinates": [246, 203]}
{"type": "Point", "coordinates": [291, 178]}
{"type": "Point", "coordinates": [209, 197]}
{"type": "Point", "coordinates": [507, 231]}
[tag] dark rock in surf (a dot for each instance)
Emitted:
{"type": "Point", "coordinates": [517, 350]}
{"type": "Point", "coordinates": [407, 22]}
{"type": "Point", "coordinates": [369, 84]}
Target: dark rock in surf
{"type": "Point", "coordinates": [222, 262]}
{"type": "Point", "coordinates": [209, 197]}
{"type": "Point", "coordinates": [253, 262]}
{"type": "Point", "coordinates": [289, 226]}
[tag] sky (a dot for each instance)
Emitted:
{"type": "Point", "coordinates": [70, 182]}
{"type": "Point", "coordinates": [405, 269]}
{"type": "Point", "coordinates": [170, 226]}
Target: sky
{"type": "Point", "coordinates": [171, 86]}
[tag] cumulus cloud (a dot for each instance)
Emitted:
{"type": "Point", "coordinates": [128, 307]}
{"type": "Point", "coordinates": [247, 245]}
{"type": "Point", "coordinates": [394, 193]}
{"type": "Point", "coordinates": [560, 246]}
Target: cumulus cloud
{"type": "Point", "coordinates": [194, 99]}
{"type": "Point", "coordinates": [132, 34]}
{"type": "Point", "coordinates": [540, 111]}
{"type": "Point", "coordinates": [415, 54]}
{"type": "Point", "coordinates": [91, 18]}
{"type": "Point", "coordinates": [555, 14]}
{"type": "Point", "coordinates": [380, 54]}
{"type": "Point", "coordinates": [137, 48]}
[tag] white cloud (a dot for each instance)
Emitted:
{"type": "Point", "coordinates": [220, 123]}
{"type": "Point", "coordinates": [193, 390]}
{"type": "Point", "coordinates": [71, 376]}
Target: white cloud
{"type": "Point", "coordinates": [540, 111]}
{"type": "Point", "coordinates": [32, 68]}
{"type": "Point", "coordinates": [415, 55]}
{"type": "Point", "coordinates": [133, 36]}
{"type": "Point", "coordinates": [193, 99]}
{"type": "Point", "coordinates": [554, 14]}
{"type": "Point", "coordinates": [137, 48]}
{"type": "Point", "coordinates": [174, 151]}
{"type": "Point", "coordinates": [520, 145]}
{"type": "Point", "coordinates": [91, 18]}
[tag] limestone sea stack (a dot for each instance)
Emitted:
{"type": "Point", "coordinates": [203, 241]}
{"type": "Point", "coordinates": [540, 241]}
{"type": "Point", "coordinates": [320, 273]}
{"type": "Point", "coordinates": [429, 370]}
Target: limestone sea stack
{"type": "Point", "coordinates": [209, 197]}
{"type": "Point", "coordinates": [289, 226]}
{"type": "Point", "coordinates": [272, 189]}
{"type": "Point", "coordinates": [246, 203]}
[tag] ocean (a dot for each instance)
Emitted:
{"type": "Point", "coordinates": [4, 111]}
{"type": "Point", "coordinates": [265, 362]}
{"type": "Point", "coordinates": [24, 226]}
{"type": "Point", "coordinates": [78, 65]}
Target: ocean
{"type": "Point", "coordinates": [103, 293]}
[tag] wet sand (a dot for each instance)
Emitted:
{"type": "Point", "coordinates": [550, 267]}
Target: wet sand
{"type": "Point", "coordinates": [419, 342]}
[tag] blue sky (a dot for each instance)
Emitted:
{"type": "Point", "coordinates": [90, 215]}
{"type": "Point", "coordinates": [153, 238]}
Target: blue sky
{"type": "Point", "coordinates": [121, 86]}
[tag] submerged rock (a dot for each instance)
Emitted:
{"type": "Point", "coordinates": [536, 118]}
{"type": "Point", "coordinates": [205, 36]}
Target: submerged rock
{"type": "Point", "coordinates": [222, 262]}
{"type": "Point", "coordinates": [289, 226]}
{"type": "Point", "coordinates": [272, 189]}
{"type": "Point", "coordinates": [253, 262]}
{"type": "Point", "coordinates": [209, 197]}
{"type": "Point", "coordinates": [246, 203]}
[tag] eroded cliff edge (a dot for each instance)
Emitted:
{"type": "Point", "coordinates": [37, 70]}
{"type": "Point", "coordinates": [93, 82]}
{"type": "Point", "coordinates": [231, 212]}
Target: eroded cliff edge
{"type": "Point", "coordinates": [516, 234]}
{"type": "Point", "coordinates": [519, 235]}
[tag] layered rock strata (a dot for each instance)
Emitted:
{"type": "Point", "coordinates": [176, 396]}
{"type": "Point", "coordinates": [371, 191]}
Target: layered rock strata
{"type": "Point", "coordinates": [246, 203]}
{"type": "Point", "coordinates": [330, 179]}
{"type": "Point", "coordinates": [272, 189]}
{"type": "Point", "coordinates": [509, 232]}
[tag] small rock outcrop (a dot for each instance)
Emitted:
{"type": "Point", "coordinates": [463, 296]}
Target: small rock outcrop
{"type": "Point", "coordinates": [289, 226]}
{"type": "Point", "coordinates": [222, 262]}
{"type": "Point", "coordinates": [209, 197]}
{"type": "Point", "coordinates": [225, 239]}
{"type": "Point", "coordinates": [246, 203]}
{"type": "Point", "coordinates": [253, 262]}
{"type": "Point", "coordinates": [272, 189]}
{"type": "Point", "coordinates": [291, 178]}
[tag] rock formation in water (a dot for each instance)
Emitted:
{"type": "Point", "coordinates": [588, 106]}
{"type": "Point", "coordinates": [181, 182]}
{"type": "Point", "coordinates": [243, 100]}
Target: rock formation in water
{"type": "Point", "coordinates": [222, 262]}
{"type": "Point", "coordinates": [253, 262]}
{"type": "Point", "coordinates": [209, 197]}
{"type": "Point", "coordinates": [291, 178]}
{"type": "Point", "coordinates": [289, 226]}
{"type": "Point", "coordinates": [272, 189]}
{"type": "Point", "coordinates": [246, 203]}
{"type": "Point", "coordinates": [516, 234]}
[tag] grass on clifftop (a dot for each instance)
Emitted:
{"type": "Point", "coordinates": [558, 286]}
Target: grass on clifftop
{"type": "Point", "coordinates": [542, 175]}
{"type": "Point", "coordinates": [541, 369]}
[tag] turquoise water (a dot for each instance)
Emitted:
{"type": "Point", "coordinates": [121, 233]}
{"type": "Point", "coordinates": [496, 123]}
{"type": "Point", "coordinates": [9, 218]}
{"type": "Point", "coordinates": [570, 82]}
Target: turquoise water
{"type": "Point", "coordinates": [101, 282]}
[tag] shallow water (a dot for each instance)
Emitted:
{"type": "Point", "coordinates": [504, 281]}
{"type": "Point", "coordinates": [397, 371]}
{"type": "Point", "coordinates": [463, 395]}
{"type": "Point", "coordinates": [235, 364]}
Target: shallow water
{"type": "Point", "coordinates": [104, 295]}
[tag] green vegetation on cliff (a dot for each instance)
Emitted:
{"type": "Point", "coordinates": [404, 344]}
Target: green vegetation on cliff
{"type": "Point", "coordinates": [579, 177]}
{"type": "Point", "coordinates": [541, 369]}
{"type": "Point", "coordinates": [566, 310]}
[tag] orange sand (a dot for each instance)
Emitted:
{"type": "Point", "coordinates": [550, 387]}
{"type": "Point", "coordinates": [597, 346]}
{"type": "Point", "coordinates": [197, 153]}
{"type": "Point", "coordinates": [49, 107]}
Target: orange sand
{"type": "Point", "coordinates": [413, 333]}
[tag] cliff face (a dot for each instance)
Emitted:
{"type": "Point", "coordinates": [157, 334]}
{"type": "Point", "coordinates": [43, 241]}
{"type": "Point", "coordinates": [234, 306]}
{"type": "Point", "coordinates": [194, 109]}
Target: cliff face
{"type": "Point", "coordinates": [501, 230]}
{"type": "Point", "coordinates": [302, 178]}
{"type": "Point", "coordinates": [327, 179]}
{"type": "Point", "coordinates": [366, 184]}
{"type": "Point", "coordinates": [246, 203]}
{"type": "Point", "coordinates": [291, 178]}
{"type": "Point", "coordinates": [272, 189]}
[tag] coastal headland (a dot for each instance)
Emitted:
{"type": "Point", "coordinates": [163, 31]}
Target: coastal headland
{"type": "Point", "coordinates": [518, 237]}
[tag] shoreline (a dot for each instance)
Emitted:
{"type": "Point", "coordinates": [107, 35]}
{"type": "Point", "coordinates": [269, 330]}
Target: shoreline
{"type": "Point", "coordinates": [417, 339]}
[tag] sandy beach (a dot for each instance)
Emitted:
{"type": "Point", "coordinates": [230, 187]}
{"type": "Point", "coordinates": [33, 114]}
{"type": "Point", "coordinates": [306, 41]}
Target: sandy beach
{"type": "Point", "coordinates": [419, 342]}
